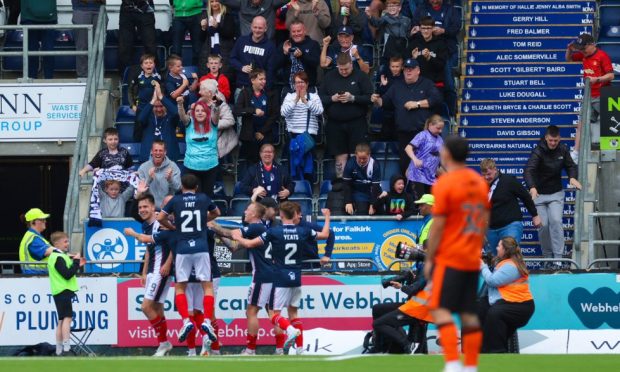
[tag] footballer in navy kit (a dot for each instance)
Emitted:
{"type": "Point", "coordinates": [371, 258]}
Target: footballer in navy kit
{"type": "Point", "coordinates": [287, 244]}
{"type": "Point", "coordinates": [156, 276]}
{"type": "Point", "coordinates": [192, 211]}
{"type": "Point", "coordinates": [262, 270]}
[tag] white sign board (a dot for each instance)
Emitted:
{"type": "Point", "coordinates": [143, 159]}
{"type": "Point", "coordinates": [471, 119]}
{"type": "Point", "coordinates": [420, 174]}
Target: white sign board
{"type": "Point", "coordinates": [40, 112]}
{"type": "Point", "coordinates": [28, 313]}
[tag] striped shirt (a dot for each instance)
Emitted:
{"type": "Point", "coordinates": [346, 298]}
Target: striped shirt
{"type": "Point", "coordinates": [296, 113]}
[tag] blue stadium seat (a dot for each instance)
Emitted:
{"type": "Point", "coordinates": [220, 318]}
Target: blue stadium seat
{"type": "Point", "coordinates": [612, 49]}
{"type": "Point", "coordinates": [238, 205]}
{"type": "Point", "coordinates": [307, 204]}
{"type": "Point", "coordinates": [189, 70]}
{"type": "Point", "coordinates": [609, 34]}
{"type": "Point", "coordinates": [385, 185]}
{"type": "Point", "coordinates": [392, 151]}
{"type": "Point", "coordinates": [237, 191]}
{"type": "Point", "coordinates": [222, 204]}
{"type": "Point", "coordinates": [133, 148]}
{"type": "Point", "coordinates": [390, 168]}
{"type": "Point", "coordinates": [302, 189]}
{"type": "Point", "coordinates": [609, 14]}
{"type": "Point", "coordinates": [328, 168]}
{"type": "Point", "coordinates": [378, 149]}
{"type": "Point", "coordinates": [326, 187]}
{"type": "Point", "coordinates": [125, 115]}
{"type": "Point", "coordinates": [125, 131]}
{"type": "Point", "coordinates": [219, 190]}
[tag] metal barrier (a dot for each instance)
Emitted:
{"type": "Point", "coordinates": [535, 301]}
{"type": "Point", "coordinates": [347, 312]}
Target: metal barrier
{"type": "Point", "coordinates": [87, 125]}
{"type": "Point", "coordinates": [591, 238]}
{"type": "Point", "coordinates": [584, 152]}
{"type": "Point", "coordinates": [601, 261]}
{"type": "Point", "coordinates": [25, 53]}
{"type": "Point", "coordinates": [102, 263]}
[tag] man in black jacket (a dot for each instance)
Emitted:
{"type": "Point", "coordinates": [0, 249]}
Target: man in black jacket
{"type": "Point", "coordinates": [298, 53]}
{"type": "Point", "coordinates": [504, 193]}
{"type": "Point", "coordinates": [412, 100]}
{"type": "Point", "coordinates": [543, 175]}
{"type": "Point", "coordinates": [345, 94]}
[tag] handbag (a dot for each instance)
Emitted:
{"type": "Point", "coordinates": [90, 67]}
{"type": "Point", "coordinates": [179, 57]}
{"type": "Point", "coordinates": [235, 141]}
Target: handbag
{"type": "Point", "coordinates": [306, 138]}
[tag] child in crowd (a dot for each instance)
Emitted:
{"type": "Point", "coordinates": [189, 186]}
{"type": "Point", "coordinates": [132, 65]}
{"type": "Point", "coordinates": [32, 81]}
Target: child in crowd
{"type": "Point", "coordinates": [113, 201]}
{"type": "Point", "coordinates": [177, 84]}
{"type": "Point", "coordinates": [394, 27]}
{"type": "Point", "coordinates": [424, 153]}
{"type": "Point", "coordinates": [214, 64]}
{"type": "Point", "coordinates": [141, 87]}
{"type": "Point", "coordinates": [395, 72]}
{"type": "Point", "coordinates": [397, 202]}
{"type": "Point", "coordinates": [112, 155]}
{"type": "Point", "coordinates": [257, 108]}
{"type": "Point", "coordinates": [62, 269]}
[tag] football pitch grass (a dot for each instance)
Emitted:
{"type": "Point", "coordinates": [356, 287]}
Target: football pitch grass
{"type": "Point", "coordinates": [375, 363]}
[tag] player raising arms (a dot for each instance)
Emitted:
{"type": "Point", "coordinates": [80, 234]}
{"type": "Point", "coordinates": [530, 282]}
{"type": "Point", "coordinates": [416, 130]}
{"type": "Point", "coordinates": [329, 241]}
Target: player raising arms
{"type": "Point", "coordinates": [287, 248]}
{"type": "Point", "coordinates": [192, 211]}
{"type": "Point", "coordinates": [156, 272]}
{"type": "Point", "coordinates": [460, 217]}
{"type": "Point", "coordinates": [262, 270]}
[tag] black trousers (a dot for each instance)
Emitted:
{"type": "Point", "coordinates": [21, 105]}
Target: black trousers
{"type": "Point", "coordinates": [388, 323]}
{"type": "Point", "coordinates": [128, 23]}
{"type": "Point", "coordinates": [500, 321]}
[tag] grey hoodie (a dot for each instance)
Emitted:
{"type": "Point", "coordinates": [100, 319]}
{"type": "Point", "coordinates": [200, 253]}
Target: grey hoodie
{"type": "Point", "coordinates": [159, 186]}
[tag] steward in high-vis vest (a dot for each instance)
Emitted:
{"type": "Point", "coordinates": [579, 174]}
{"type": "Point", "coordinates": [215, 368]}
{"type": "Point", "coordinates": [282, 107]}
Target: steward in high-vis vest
{"type": "Point", "coordinates": [511, 302]}
{"type": "Point", "coordinates": [33, 246]}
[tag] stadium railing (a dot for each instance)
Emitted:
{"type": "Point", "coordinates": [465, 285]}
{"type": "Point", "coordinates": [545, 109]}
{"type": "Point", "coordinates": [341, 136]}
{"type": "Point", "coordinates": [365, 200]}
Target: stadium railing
{"type": "Point", "coordinates": [25, 53]}
{"type": "Point", "coordinates": [87, 127]}
{"type": "Point", "coordinates": [593, 242]}
{"type": "Point", "coordinates": [587, 194]}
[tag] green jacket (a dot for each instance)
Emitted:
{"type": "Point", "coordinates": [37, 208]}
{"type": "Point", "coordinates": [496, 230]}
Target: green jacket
{"type": "Point", "coordinates": [187, 8]}
{"type": "Point", "coordinates": [59, 282]}
{"type": "Point", "coordinates": [39, 11]}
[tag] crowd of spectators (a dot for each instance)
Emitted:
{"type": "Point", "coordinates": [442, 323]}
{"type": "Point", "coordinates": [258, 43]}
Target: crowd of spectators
{"type": "Point", "coordinates": [316, 75]}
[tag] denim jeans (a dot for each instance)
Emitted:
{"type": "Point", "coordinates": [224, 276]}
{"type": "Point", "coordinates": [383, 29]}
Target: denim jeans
{"type": "Point", "coordinates": [179, 26]}
{"type": "Point", "coordinates": [513, 229]}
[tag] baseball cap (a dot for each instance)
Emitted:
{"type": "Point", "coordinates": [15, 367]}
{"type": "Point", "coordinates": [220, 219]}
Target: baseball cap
{"type": "Point", "coordinates": [345, 30]}
{"type": "Point", "coordinates": [426, 199]}
{"type": "Point", "coordinates": [583, 40]}
{"type": "Point", "coordinates": [411, 63]}
{"type": "Point", "coordinates": [36, 214]}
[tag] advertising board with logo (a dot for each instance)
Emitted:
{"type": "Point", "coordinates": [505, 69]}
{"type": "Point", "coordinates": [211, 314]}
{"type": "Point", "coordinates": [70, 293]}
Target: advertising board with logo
{"type": "Point", "coordinates": [28, 313]}
{"type": "Point", "coordinates": [335, 303]}
{"type": "Point", "coordinates": [371, 240]}
{"type": "Point", "coordinates": [40, 112]}
{"type": "Point", "coordinates": [610, 118]}
{"type": "Point", "coordinates": [109, 243]}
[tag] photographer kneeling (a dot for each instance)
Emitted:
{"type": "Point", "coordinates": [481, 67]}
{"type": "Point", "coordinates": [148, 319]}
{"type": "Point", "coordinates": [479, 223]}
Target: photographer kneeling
{"type": "Point", "coordinates": [510, 304]}
{"type": "Point", "coordinates": [391, 317]}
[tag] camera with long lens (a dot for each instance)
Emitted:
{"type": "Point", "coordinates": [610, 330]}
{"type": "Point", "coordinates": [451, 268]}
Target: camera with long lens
{"type": "Point", "coordinates": [404, 279]}
{"type": "Point", "coordinates": [407, 252]}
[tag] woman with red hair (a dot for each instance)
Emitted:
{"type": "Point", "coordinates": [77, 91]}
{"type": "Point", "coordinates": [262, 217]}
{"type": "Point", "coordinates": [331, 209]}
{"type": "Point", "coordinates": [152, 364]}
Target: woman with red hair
{"type": "Point", "coordinates": [201, 134]}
